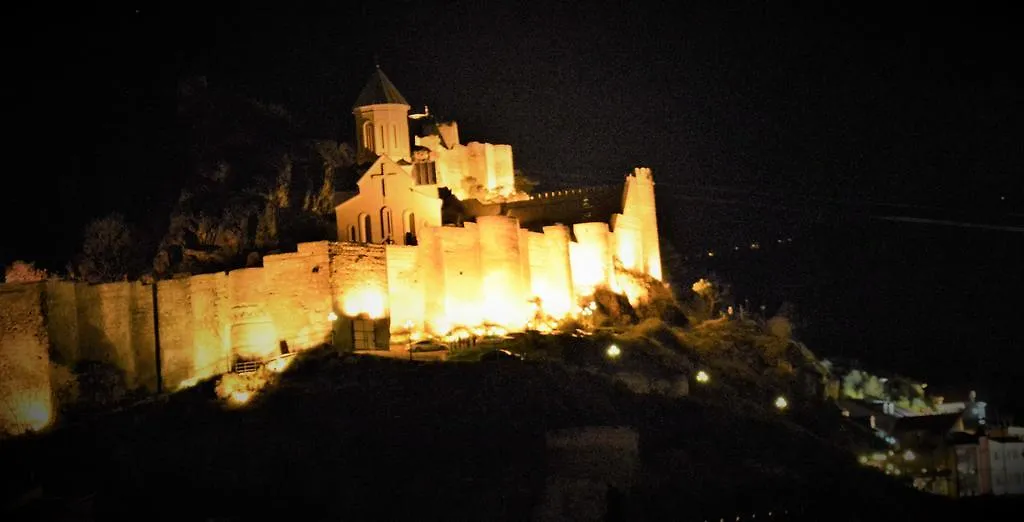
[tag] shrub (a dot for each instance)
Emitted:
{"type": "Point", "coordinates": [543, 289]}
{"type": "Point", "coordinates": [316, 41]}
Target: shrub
{"type": "Point", "coordinates": [24, 272]}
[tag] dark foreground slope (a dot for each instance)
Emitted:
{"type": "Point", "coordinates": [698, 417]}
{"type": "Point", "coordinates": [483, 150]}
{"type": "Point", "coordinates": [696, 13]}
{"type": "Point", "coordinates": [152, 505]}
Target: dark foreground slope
{"type": "Point", "coordinates": [359, 438]}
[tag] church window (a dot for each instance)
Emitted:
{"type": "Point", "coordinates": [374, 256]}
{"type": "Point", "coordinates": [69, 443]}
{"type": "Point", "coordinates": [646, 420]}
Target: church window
{"type": "Point", "coordinates": [368, 135]}
{"type": "Point", "coordinates": [394, 135]}
{"type": "Point", "coordinates": [383, 143]}
{"type": "Point", "coordinates": [353, 236]}
{"type": "Point", "coordinates": [365, 233]}
{"type": "Point", "coordinates": [410, 222]}
{"type": "Point", "coordinates": [385, 222]}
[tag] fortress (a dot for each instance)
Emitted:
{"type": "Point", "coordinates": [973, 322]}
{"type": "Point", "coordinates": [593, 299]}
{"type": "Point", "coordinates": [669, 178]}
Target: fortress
{"type": "Point", "coordinates": [435, 240]}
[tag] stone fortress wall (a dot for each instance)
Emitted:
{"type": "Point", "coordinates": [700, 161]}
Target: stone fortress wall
{"type": "Point", "coordinates": [173, 333]}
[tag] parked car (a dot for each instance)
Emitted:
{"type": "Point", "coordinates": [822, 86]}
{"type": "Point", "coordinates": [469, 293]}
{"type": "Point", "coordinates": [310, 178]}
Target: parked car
{"type": "Point", "coordinates": [494, 341]}
{"type": "Point", "coordinates": [428, 345]}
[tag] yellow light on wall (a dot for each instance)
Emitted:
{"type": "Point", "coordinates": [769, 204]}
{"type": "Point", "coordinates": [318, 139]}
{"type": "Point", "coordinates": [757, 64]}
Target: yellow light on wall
{"type": "Point", "coordinates": [238, 398]}
{"type": "Point", "coordinates": [703, 377]}
{"type": "Point", "coordinates": [332, 317]}
{"type": "Point", "coordinates": [279, 365]}
{"type": "Point", "coordinates": [369, 301]}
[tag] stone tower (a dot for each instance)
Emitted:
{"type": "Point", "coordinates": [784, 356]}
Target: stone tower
{"type": "Point", "coordinates": [638, 205]}
{"type": "Point", "coordinates": [382, 121]}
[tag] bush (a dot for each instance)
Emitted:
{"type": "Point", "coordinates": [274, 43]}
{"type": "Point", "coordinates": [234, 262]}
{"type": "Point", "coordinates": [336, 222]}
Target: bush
{"type": "Point", "coordinates": [23, 272]}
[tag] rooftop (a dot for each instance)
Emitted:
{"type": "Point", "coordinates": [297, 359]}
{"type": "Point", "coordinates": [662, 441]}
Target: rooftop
{"type": "Point", "coordinates": [379, 90]}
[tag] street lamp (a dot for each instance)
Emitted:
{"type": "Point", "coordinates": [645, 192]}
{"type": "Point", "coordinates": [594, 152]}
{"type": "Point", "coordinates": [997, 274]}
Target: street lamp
{"type": "Point", "coordinates": [781, 403]}
{"type": "Point", "coordinates": [703, 377]}
{"type": "Point", "coordinates": [613, 351]}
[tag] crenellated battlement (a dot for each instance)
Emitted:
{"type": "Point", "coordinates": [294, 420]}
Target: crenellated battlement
{"type": "Point", "coordinates": [643, 174]}
{"type": "Point", "coordinates": [569, 192]}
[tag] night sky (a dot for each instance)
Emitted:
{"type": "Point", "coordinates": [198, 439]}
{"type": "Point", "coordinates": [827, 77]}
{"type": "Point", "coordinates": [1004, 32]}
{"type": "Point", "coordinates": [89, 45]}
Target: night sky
{"type": "Point", "coordinates": [821, 104]}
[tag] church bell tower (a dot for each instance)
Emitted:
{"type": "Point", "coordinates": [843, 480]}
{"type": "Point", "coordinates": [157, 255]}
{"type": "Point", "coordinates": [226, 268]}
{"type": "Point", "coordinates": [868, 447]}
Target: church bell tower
{"type": "Point", "coordinates": [382, 121]}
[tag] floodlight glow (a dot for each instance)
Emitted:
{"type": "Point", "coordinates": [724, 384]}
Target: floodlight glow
{"type": "Point", "coordinates": [781, 403]}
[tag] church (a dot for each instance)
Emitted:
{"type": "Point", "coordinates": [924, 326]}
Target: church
{"type": "Point", "coordinates": [463, 246]}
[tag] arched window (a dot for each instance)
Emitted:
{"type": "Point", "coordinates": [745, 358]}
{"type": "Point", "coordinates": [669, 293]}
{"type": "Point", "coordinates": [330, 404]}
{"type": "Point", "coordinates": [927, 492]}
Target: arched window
{"type": "Point", "coordinates": [409, 223]}
{"type": "Point", "coordinates": [365, 233]}
{"type": "Point", "coordinates": [394, 136]}
{"type": "Point", "coordinates": [368, 136]}
{"type": "Point", "coordinates": [353, 236]}
{"type": "Point", "coordinates": [386, 224]}
{"type": "Point", "coordinates": [383, 140]}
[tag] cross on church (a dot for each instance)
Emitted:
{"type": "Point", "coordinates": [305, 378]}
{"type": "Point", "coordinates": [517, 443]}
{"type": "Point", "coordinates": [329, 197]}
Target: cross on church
{"type": "Point", "coordinates": [383, 189]}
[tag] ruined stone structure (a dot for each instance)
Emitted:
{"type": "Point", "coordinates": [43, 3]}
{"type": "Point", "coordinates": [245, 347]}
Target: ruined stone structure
{"type": "Point", "coordinates": [514, 263]}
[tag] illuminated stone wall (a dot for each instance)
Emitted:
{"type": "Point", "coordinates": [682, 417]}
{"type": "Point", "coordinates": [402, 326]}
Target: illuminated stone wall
{"type": "Point", "coordinates": [503, 289]}
{"type": "Point", "coordinates": [460, 265]}
{"type": "Point", "coordinates": [405, 286]}
{"type": "Point", "coordinates": [482, 272]}
{"type": "Point", "coordinates": [359, 281]}
{"type": "Point", "coordinates": [298, 296]}
{"type": "Point", "coordinates": [25, 399]}
{"type": "Point", "coordinates": [209, 301]}
{"type": "Point", "coordinates": [62, 320]}
{"type": "Point", "coordinates": [559, 298]}
{"type": "Point", "coordinates": [591, 257]}
{"type": "Point", "coordinates": [177, 331]}
{"type": "Point", "coordinates": [114, 325]}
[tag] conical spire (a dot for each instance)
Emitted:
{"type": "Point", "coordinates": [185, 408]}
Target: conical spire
{"type": "Point", "coordinates": [378, 90]}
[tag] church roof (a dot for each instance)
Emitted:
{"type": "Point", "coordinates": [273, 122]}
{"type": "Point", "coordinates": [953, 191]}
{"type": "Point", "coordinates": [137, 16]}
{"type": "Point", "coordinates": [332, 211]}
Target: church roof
{"type": "Point", "coordinates": [378, 90]}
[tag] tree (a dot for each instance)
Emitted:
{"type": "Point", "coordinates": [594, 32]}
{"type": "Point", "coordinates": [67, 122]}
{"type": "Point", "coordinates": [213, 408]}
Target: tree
{"type": "Point", "coordinates": [873, 387]}
{"type": "Point", "coordinates": [710, 295]}
{"type": "Point", "coordinates": [853, 385]}
{"type": "Point", "coordinates": [110, 251]}
{"type": "Point", "coordinates": [24, 272]}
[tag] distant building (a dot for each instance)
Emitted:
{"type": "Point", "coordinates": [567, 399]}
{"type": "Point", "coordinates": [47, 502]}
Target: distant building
{"type": "Point", "coordinates": [989, 466]}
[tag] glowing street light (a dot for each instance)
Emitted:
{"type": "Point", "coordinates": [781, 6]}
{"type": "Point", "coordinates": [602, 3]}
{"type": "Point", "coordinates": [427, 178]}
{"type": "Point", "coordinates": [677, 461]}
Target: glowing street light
{"type": "Point", "coordinates": [781, 403]}
{"type": "Point", "coordinates": [613, 351]}
{"type": "Point", "coordinates": [703, 377]}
